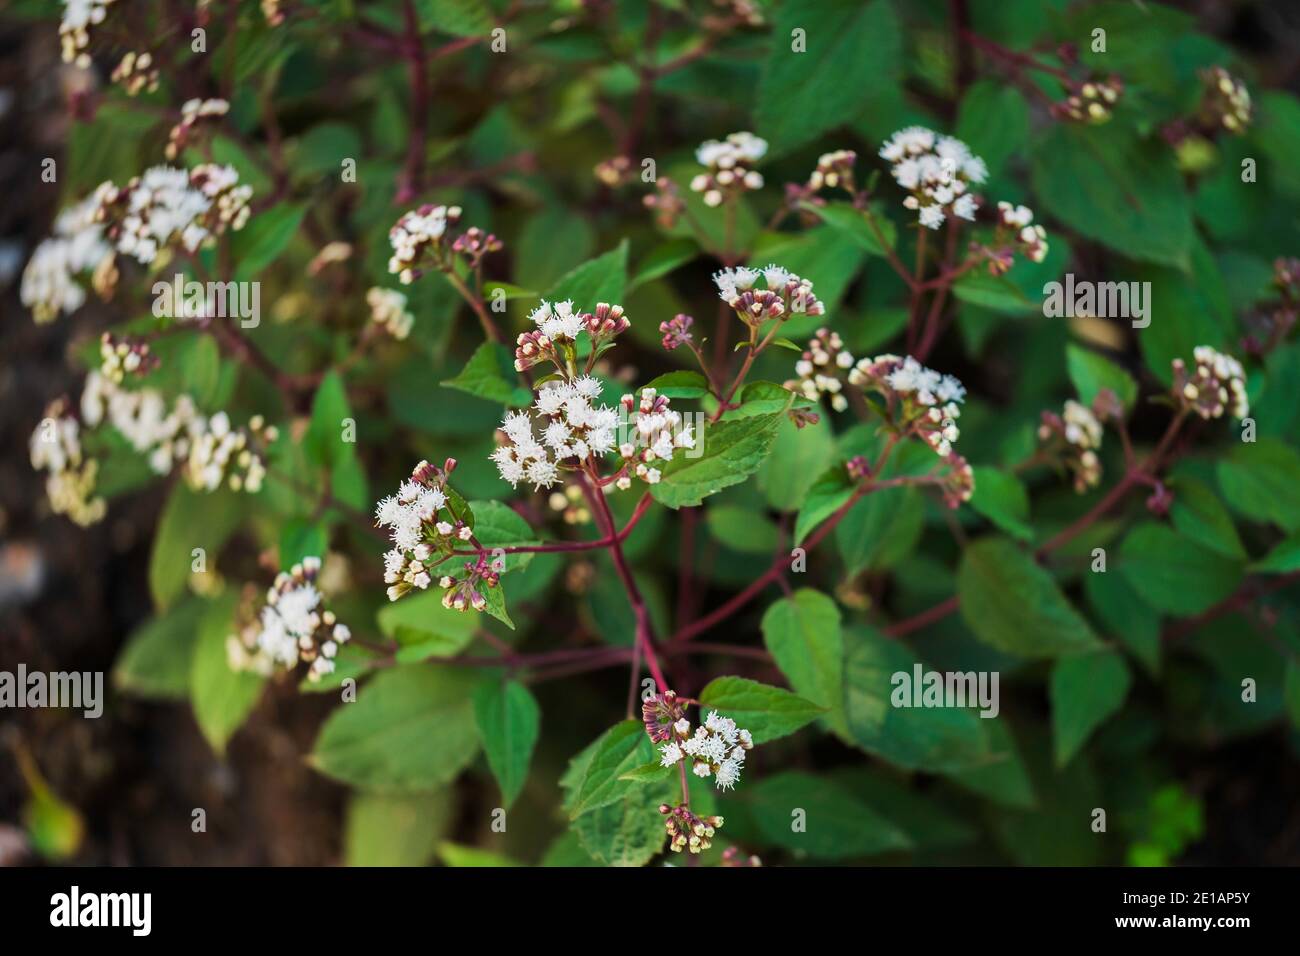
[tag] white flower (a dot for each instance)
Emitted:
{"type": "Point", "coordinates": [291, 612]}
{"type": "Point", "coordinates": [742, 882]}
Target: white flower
{"type": "Point", "coordinates": [672, 753]}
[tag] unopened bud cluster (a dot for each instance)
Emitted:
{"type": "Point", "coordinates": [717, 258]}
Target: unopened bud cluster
{"type": "Point", "coordinates": [292, 627]}
{"type": "Point", "coordinates": [686, 831]}
{"type": "Point", "coordinates": [136, 73]}
{"type": "Point", "coordinates": [1225, 102]}
{"type": "Point", "coordinates": [1073, 438]}
{"type": "Point", "coordinates": [420, 242]}
{"type": "Point", "coordinates": [74, 29]}
{"type": "Point", "coordinates": [1091, 101]}
{"type": "Point", "coordinates": [676, 331]}
{"type": "Point", "coordinates": [1031, 239]}
{"type": "Point", "coordinates": [70, 477]}
{"type": "Point", "coordinates": [1216, 384]}
{"type": "Point", "coordinates": [730, 165]}
{"type": "Point", "coordinates": [834, 170]}
{"type": "Point", "coordinates": [119, 358]}
{"type": "Point", "coordinates": [666, 201]}
{"type": "Point", "coordinates": [656, 434]}
{"type": "Point", "coordinates": [388, 311]}
{"type": "Point", "coordinates": [193, 112]}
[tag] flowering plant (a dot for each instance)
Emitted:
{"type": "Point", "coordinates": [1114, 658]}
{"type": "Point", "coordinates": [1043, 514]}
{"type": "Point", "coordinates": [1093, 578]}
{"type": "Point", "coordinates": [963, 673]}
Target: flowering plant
{"type": "Point", "coordinates": [746, 413]}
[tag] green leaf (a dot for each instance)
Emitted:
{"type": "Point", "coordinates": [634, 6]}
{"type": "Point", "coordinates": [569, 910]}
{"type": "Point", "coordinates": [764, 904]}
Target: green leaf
{"type": "Point", "coordinates": [730, 451]}
{"type": "Point", "coordinates": [552, 242]}
{"type": "Point", "coordinates": [603, 279]}
{"type": "Point", "coordinates": [1124, 616]}
{"type": "Point", "coordinates": [1106, 184]}
{"type": "Point", "coordinates": [1283, 559]}
{"type": "Point", "coordinates": [301, 539]}
{"type": "Point", "coordinates": [497, 525]}
{"type": "Point", "coordinates": [828, 494]}
{"type": "Point", "coordinates": [393, 830]}
{"type": "Point", "coordinates": [682, 384]}
{"type": "Point", "coordinates": [1085, 690]}
{"type": "Point", "coordinates": [190, 520]}
{"type": "Point", "coordinates": [740, 529]}
{"type": "Point", "coordinates": [462, 18]}
{"type": "Point", "coordinates": [663, 259]}
{"type": "Point", "coordinates": [767, 712]}
{"type": "Point", "coordinates": [836, 825]}
{"type": "Point", "coordinates": [1198, 514]}
{"type": "Point", "coordinates": [622, 748]}
{"type": "Point", "coordinates": [629, 830]}
{"type": "Point", "coordinates": [798, 456]}
{"type": "Point", "coordinates": [937, 739]}
{"type": "Point", "coordinates": [652, 772]}
{"type": "Point", "coordinates": [798, 97]}
{"type": "Point", "coordinates": [846, 218]}
{"type": "Point", "coordinates": [880, 529]}
{"type": "Point", "coordinates": [1003, 500]}
{"type": "Point", "coordinates": [1090, 373]}
{"type": "Point", "coordinates": [425, 628]}
{"type": "Point", "coordinates": [222, 698]}
{"type": "Point", "coordinates": [1261, 481]}
{"type": "Point", "coordinates": [490, 374]}
{"type": "Point", "coordinates": [1175, 574]}
{"type": "Point", "coordinates": [158, 657]}
{"type": "Point", "coordinates": [508, 720]}
{"type": "Point", "coordinates": [993, 121]}
{"type": "Point", "coordinates": [455, 854]}
{"type": "Point", "coordinates": [410, 729]}
{"type": "Point", "coordinates": [260, 243]}
{"type": "Point", "coordinates": [1014, 605]}
{"type": "Point", "coordinates": [804, 636]}
{"type": "Point", "coordinates": [323, 444]}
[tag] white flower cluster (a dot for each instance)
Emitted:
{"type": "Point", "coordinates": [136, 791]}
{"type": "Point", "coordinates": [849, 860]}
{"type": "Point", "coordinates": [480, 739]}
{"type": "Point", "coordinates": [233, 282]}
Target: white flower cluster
{"type": "Point", "coordinates": [571, 427]}
{"type": "Point", "coordinates": [77, 245]}
{"type": "Point", "coordinates": [818, 369]}
{"type": "Point", "coordinates": [167, 206]}
{"type": "Point", "coordinates": [1075, 435]}
{"type": "Point", "coordinates": [558, 326]}
{"type": "Point", "coordinates": [730, 163]}
{"type": "Point", "coordinates": [1032, 238]}
{"type": "Point", "coordinates": [136, 72]}
{"type": "Point", "coordinates": [422, 524]}
{"type": "Point", "coordinates": [1218, 384]}
{"type": "Point", "coordinates": [785, 294]}
{"type": "Point", "coordinates": [388, 311]}
{"type": "Point", "coordinates": [192, 113]}
{"type": "Point", "coordinates": [937, 172]}
{"type": "Point", "coordinates": [74, 29]}
{"type": "Point", "coordinates": [656, 431]}
{"type": "Point", "coordinates": [926, 403]}
{"type": "Point", "coordinates": [293, 626]}
{"type": "Point", "coordinates": [716, 748]}
{"type": "Point", "coordinates": [209, 450]}
{"type": "Point", "coordinates": [418, 231]}
{"type": "Point", "coordinates": [70, 485]}
{"type": "Point", "coordinates": [119, 358]}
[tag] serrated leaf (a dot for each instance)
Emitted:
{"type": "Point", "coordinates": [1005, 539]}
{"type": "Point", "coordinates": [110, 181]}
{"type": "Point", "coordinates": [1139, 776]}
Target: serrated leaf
{"type": "Point", "coordinates": [731, 452]}
{"type": "Point", "coordinates": [767, 712]}
{"type": "Point", "coordinates": [410, 729]}
{"type": "Point", "coordinates": [803, 634]}
{"type": "Point", "coordinates": [1175, 574]}
{"type": "Point", "coordinates": [222, 698]}
{"type": "Point", "coordinates": [490, 374]}
{"type": "Point", "coordinates": [620, 749]}
{"type": "Point", "coordinates": [1003, 500]}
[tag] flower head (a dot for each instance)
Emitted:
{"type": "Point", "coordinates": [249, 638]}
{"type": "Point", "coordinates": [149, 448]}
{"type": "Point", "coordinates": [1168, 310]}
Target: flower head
{"type": "Point", "coordinates": [1216, 384]}
{"type": "Point", "coordinates": [937, 172]}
